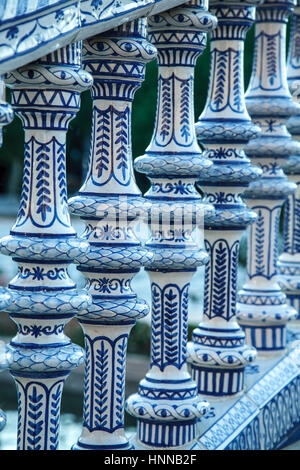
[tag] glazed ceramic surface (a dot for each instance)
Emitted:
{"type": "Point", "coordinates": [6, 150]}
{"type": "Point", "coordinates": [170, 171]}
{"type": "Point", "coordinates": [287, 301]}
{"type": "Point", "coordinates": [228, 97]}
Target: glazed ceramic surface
{"type": "Point", "coordinates": [218, 352]}
{"type": "Point", "coordinates": [289, 260]}
{"type": "Point", "coordinates": [167, 404]}
{"type": "Point", "coordinates": [6, 117]}
{"type": "Point", "coordinates": [213, 392]}
{"type": "Point", "coordinates": [262, 306]}
{"type": "Point", "coordinates": [30, 29]}
{"type": "Point", "coordinates": [46, 96]}
{"type": "Point", "coordinates": [110, 203]}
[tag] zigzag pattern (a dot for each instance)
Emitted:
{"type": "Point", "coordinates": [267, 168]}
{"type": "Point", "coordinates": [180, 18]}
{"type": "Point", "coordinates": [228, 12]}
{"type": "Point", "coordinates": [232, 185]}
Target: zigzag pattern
{"type": "Point", "coordinates": [166, 110]}
{"type": "Point", "coordinates": [206, 300]}
{"type": "Point", "coordinates": [289, 211]}
{"type": "Point", "coordinates": [221, 266]}
{"type": "Point", "coordinates": [296, 233]}
{"type": "Point", "coordinates": [233, 278]}
{"type": "Point", "coordinates": [26, 181]}
{"type": "Point", "coordinates": [171, 324]}
{"type": "Point", "coordinates": [120, 382]}
{"type": "Point", "coordinates": [155, 324]}
{"type": "Point", "coordinates": [237, 87]}
{"type": "Point", "coordinates": [20, 422]}
{"type": "Point", "coordinates": [61, 174]}
{"type": "Point", "coordinates": [57, 98]}
{"type": "Point", "coordinates": [122, 127]}
{"type": "Point", "coordinates": [54, 417]}
{"type": "Point", "coordinates": [43, 192]}
{"type": "Point", "coordinates": [259, 234]}
{"type": "Point", "coordinates": [271, 58]}
{"type": "Point", "coordinates": [218, 98]}
{"type": "Point", "coordinates": [35, 422]}
{"type": "Point", "coordinates": [102, 132]}
{"type": "Point", "coordinates": [185, 109]}
{"type": "Point", "coordinates": [86, 383]}
{"type": "Point", "coordinates": [100, 380]}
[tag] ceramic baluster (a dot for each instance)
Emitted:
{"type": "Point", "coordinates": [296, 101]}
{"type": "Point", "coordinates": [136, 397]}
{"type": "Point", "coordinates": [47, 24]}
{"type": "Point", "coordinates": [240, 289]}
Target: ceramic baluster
{"type": "Point", "coordinates": [6, 117]}
{"type": "Point", "coordinates": [263, 311]}
{"type": "Point", "coordinates": [218, 352]}
{"type": "Point", "coordinates": [46, 96]}
{"type": "Point", "coordinates": [289, 260]}
{"type": "Point", "coordinates": [167, 405]}
{"type": "Point", "coordinates": [110, 203]}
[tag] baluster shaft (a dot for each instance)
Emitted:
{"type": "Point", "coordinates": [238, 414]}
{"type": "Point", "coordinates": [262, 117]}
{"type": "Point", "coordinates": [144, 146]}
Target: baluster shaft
{"type": "Point", "coordinates": [110, 203]}
{"type": "Point", "coordinates": [289, 260]}
{"type": "Point", "coordinates": [262, 308]}
{"type": "Point", "coordinates": [46, 96]}
{"type": "Point", "coordinates": [167, 405]}
{"type": "Point", "coordinates": [218, 353]}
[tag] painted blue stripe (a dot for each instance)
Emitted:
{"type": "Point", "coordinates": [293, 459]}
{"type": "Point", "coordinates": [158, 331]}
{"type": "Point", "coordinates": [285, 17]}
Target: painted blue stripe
{"type": "Point", "coordinates": [42, 235]}
{"type": "Point", "coordinates": [167, 381]}
{"type": "Point", "coordinates": [99, 322]}
{"type": "Point", "coordinates": [39, 346]}
{"type": "Point", "coordinates": [107, 447]}
{"type": "Point", "coordinates": [39, 375]}
{"type": "Point", "coordinates": [41, 288]}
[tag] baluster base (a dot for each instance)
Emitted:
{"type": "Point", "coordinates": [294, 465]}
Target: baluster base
{"type": "Point", "coordinates": [166, 435]}
{"type": "Point", "coordinates": [271, 338]}
{"type": "Point", "coordinates": [167, 412]}
{"type": "Point", "coordinates": [218, 360]}
{"type": "Point", "coordinates": [264, 317]}
{"type": "Point", "coordinates": [218, 382]}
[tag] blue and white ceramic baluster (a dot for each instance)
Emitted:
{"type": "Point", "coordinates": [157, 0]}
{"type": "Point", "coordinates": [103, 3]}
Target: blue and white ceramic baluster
{"type": "Point", "coordinates": [167, 405]}
{"type": "Point", "coordinates": [263, 311]}
{"type": "Point", "coordinates": [289, 260]}
{"type": "Point", "coordinates": [46, 96]}
{"type": "Point", "coordinates": [218, 352]}
{"type": "Point", "coordinates": [6, 117]}
{"type": "Point", "coordinates": [110, 203]}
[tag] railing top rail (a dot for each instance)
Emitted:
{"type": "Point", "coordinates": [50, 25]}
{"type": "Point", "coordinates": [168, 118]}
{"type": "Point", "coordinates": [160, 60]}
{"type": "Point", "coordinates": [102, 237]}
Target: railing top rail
{"type": "Point", "coordinates": [30, 29]}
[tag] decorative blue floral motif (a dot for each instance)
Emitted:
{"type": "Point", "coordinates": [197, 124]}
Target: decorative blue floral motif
{"type": "Point", "coordinates": [39, 330]}
{"type": "Point", "coordinates": [38, 273]}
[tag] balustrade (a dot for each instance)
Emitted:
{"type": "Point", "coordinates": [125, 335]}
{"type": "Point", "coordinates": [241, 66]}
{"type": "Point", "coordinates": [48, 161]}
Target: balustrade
{"type": "Point", "coordinates": [199, 205]}
{"type": "Point", "coordinates": [262, 307]}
